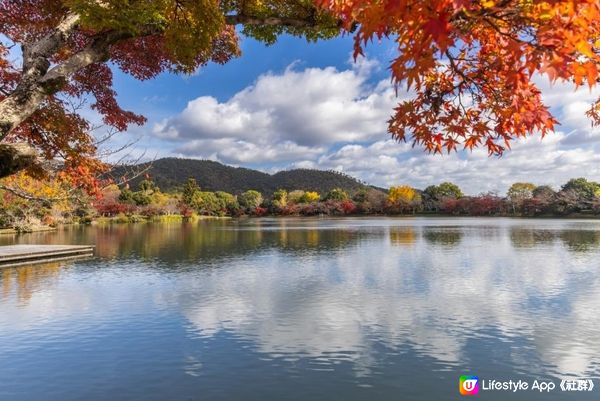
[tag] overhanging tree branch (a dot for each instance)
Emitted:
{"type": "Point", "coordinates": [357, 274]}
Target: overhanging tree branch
{"type": "Point", "coordinates": [241, 19]}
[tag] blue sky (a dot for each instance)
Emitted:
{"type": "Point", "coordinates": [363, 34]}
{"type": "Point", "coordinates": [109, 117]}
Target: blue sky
{"type": "Point", "coordinates": [298, 104]}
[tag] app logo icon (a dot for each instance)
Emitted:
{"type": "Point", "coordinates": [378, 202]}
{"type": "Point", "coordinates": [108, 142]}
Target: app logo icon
{"type": "Point", "coordinates": [469, 385]}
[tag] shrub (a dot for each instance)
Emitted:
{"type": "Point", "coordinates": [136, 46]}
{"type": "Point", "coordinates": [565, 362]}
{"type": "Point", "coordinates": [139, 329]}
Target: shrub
{"type": "Point", "coordinates": [260, 211]}
{"type": "Point", "coordinates": [348, 207]}
{"type": "Point", "coordinates": [290, 209]}
{"type": "Point", "coordinates": [111, 208]}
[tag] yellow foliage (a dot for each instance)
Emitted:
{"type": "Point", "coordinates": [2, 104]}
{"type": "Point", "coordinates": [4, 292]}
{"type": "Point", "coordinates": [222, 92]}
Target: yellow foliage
{"type": "Point", "coordinates": [403, 194]}
{"type": "Point", "coordinates": [160, 199]}
{"type": "Point", "coordinates": [52, 190]}
{"type": "Point", "coordinates": [309, 197]}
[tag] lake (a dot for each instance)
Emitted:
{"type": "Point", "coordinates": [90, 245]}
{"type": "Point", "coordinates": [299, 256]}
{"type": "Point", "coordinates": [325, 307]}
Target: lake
{"type": "Point", "coordinates": [304, 309]}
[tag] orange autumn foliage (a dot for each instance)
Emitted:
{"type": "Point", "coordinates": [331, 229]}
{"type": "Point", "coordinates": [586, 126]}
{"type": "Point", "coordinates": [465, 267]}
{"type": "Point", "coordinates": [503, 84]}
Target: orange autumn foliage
{"type": "Point", "coordinates": [472, 63]}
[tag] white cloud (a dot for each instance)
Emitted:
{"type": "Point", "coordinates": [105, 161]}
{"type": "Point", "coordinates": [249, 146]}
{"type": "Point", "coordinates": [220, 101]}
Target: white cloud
{"type": "Point", "coordinates": [285, 116]}
{"type": "Point", "coordinates": [570, 105]}
{"type": "Point", "coordinates": [233, 151]}
{"type": "Point", "coordinates": [328, 118]}
{"type": "Point", "coordinates": [387, 163]}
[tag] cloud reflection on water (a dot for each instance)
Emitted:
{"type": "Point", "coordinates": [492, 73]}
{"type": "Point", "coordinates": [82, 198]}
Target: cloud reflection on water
{"type": "Point", "coordinates": [339, 290]}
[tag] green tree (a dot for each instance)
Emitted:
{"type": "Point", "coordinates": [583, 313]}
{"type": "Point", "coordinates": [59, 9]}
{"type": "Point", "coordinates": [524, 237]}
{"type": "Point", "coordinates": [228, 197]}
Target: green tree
{"type": "Point", "coordinates": [542, 202]}
{"type": "Point", "coordinates": [544, 191]}
{"type": "Point", "coordinates": [147, 186]}
{"type": "Point", "coordinates": [585, 190]}
{"type": "Point", "coordinates": [126, 196]}
{"type": "Point", "coordinates": [189, 190]}
{"type": "Point", "coordinates": [520, 191]}
{"type": "Point", "coordinates": [138, 198]}
{"type": "Point", "coordinates": [444, 190]}
{"type": "Point", "coordinates": [434, 195]}
{"type": "Point", "coordinates": [228, 201]}
{"type": "Point", "coordinates": [370, 200]}
{"type": "Point", "coordinates": [207, 203]}
{"type": "Point", "coordinates": [250, 200]}
{"type": "Point", "coordinates": [336, 194]}
{"type": "Point", "coordinates": [141, 198]}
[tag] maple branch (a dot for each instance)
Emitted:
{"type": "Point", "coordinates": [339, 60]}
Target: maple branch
{"type": "Point", "coordinates": [455, 67]}
{"type": "Point", "coordinates": [24, 195]}
{"type": "Point", "coordinates": [133, 169]}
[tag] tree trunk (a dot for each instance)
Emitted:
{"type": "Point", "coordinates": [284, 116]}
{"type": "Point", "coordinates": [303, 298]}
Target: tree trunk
{"type": "Point", "coordinates": [38, 82]}
{"type": "Point", "coordinates": [30, 92]}
{"type": "Point", "coordinates": [15, 157]}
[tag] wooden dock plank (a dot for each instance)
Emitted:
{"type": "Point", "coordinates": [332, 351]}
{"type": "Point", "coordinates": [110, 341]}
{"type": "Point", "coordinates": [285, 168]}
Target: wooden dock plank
{"type": "Point", "coordinates": [13, 255]}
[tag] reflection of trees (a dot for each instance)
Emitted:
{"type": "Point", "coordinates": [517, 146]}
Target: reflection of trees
{"type": "Point", "coordinates": [28, 279]}
{"type": "Point", "coordinates": [442, 236]}
{"type": "Point", "coordinates": [580, 240]}
{"type": "Point", "coordinates": [204, 240]}
{"type": "Point", "coordinates": [521, 237]}
{"type": "Point", "coordinates": [402, 235]}
{"type": "Point", "coordinates": [6, 281]}
{"type": "Point", "coordinates": [574, 240]}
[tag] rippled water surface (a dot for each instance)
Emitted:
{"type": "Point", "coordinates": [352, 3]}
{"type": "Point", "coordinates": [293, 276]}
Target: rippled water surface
{"type": "Point", "coordinates": [303, 309]}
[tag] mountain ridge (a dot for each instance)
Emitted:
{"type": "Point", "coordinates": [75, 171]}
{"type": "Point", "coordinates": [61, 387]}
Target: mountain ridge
{"type": "Point", "coordinates": [171, 173]}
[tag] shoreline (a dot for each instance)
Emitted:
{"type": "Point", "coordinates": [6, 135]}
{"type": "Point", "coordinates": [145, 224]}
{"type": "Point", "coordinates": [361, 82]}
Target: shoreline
{"type": "Point", "coordinates": [137, 219]}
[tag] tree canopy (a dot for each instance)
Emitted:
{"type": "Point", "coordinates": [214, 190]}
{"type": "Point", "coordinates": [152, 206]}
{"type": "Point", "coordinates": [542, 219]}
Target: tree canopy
{"type": "Point", "coordinates": [444, 190]}
{"type": "Point", "coordinates": [472, 63]}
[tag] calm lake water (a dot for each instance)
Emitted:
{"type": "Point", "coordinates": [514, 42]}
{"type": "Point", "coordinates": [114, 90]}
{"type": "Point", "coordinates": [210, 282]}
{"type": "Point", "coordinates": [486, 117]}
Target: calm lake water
{"type": "Point", "coordinates": [304, 309]}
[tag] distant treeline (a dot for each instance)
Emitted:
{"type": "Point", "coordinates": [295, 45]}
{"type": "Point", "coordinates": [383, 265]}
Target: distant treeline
{"type": "Point", "coordinates": [578, 196]}
{"type": "Point", "coordinates": [146, 201]}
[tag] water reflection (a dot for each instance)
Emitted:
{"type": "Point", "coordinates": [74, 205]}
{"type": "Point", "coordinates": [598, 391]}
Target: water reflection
{"type": "Point", "coordinates": [443, 236]}
{"type": "Point", "coordinates": [375, 296]}
{"type": "Point", "coordinates": [528, 237]}
{"type": "Point", "coordinates": [402, 236]}
{"type": "Point", "coordinates": [574, 240]}
{"type": "Point", "coordinates": [24, 281]}
{"type": "Point", "coordinates": [293, 301]}
{"type": "Point", "coordinates": [190, 242]}
{"type": "Point", "coordinates": [580, 240]}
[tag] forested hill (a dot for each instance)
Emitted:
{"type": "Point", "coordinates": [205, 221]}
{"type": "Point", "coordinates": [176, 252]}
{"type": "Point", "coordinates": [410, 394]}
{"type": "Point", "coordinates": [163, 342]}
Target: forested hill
{"type": "Point", "coordinates": [171, 173]}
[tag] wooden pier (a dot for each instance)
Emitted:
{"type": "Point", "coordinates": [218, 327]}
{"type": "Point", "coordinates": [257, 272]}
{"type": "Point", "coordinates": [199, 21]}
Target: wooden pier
{"type": "Point", "coordinates": [17, 255]}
